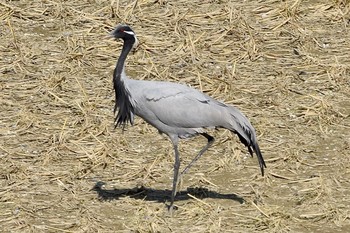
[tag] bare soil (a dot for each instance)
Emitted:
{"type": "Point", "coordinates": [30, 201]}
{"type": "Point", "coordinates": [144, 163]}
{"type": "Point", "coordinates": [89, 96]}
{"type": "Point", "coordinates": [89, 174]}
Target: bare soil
{"type": "Point", "coordinates": [64, 168]}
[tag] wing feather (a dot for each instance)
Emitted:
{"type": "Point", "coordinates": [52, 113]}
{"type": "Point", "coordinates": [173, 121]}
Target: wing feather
{"type": "Point", "coordinates": [181, 106]}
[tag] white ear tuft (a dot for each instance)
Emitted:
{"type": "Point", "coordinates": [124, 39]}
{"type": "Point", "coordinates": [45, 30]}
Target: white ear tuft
{"type": "Point", "coordinates": [136, 43]}
{"type": "Point", "coordinates": [130, 32]}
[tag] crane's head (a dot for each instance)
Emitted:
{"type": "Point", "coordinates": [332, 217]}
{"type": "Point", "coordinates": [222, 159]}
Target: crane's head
{"type": "Point", "coordinates": [126, 33]}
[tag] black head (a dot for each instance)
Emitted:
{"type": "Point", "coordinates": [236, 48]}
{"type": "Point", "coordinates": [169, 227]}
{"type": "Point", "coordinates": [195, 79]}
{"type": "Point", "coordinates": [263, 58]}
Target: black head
{"type": "Point", "coordinates": [124, 32]}
{"type": "Point", "coordinates": [127, 34]}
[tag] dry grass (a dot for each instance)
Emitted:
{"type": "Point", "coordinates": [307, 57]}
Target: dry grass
{"type": "Point", "coordinates": [285, 64]}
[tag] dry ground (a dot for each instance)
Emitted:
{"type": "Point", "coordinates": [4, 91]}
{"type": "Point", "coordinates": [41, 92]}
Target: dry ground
{"type": "Point", "coordinates": [64, 168]}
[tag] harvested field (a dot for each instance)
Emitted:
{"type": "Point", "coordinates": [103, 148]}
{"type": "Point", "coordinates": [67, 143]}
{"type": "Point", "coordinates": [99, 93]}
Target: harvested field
{"type": "Point", "coordinates": [285, 64]}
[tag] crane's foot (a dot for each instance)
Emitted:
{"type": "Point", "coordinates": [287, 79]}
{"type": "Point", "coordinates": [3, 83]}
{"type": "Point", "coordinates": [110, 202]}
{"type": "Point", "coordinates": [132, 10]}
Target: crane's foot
{"type": "Point", "coordinates": [171, 209]}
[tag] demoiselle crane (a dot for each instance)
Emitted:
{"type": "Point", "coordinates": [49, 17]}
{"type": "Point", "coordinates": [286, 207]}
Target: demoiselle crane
{"type": "Point", "coordinates": [174, 109]}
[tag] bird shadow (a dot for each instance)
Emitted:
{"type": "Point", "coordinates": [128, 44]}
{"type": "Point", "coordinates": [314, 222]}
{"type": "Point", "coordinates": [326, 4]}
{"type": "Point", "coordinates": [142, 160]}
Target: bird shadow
{"type": "Point", "coordinates": [159, 195]}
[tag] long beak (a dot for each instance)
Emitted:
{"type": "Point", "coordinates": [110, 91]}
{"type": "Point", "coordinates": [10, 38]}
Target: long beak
{"type": "Point", "coordinates": [108, 36]}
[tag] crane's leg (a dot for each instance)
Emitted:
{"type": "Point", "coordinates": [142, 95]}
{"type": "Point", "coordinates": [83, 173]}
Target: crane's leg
{"type": "Point", "coordinates": [210, 142]}
{"type": "Point", "coordinates": [176, 172]}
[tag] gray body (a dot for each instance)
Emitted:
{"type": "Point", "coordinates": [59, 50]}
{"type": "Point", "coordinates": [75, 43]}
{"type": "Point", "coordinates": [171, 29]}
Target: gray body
{"type": "Point", "coordinates": [180, 111]}
{"type": "Point", "coordinates": [175, 110]}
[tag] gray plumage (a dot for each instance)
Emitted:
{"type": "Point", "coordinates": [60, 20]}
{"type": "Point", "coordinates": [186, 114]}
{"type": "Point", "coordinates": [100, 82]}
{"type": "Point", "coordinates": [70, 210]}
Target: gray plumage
{"type": "Point", "coordinates": [174, 109]}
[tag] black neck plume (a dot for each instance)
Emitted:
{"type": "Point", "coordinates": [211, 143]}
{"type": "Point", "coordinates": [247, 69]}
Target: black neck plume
{"type": "Point", "coordinates": [122, 96]}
